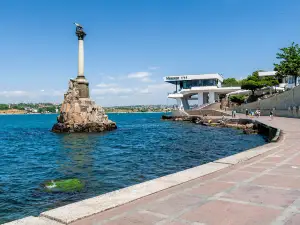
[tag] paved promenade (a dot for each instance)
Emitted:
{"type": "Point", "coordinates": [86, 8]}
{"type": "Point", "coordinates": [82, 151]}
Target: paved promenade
{"type": "Point", "coordinates": [264, 189]}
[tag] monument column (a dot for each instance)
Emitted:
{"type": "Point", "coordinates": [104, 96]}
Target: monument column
{"type": "Point", "coordinates": [83, 84]}
{"type": "Point", "coordinates": [79, 113]}
{"type": "Point", "coordinates": [80, 58]}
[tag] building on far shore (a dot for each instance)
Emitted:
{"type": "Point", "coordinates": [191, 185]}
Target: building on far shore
{"type": "Point", "coordinates": [206, 88]}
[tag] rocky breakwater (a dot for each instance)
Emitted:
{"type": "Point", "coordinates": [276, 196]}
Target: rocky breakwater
{"type": "Point", "coordinates": [248, 126]}
{"type": "Point", "coordinates": [81, 114]}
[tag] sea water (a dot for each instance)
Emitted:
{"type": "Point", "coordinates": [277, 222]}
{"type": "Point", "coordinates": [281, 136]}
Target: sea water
{"type": "Point", "coordinates": [142, 148]}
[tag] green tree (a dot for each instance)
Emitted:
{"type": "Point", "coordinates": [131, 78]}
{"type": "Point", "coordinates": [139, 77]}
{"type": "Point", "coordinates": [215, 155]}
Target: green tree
{"type": "Point", "coordinates": [269, 81]}
{"type": "Point", "coordinates": [254, 76]}
{"type": "Point", "coordinates": [3, 106]}
{"type": "Point", "coordinates": [251, 85]}
{"type": "Point", "coordinates": [290, 62]}
{"type": "Point", "coordinates": [253, 82]}
{"type": "Point", "coordinates": [239, 99]}
{"type": "Point", "coordinates": [230, 82]}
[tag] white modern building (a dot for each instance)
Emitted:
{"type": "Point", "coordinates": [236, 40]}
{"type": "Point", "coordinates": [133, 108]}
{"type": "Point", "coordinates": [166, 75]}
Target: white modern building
{"type": "Point", "coordinates": [206, 88]}
{"type": "Point", "coordinates": [286, 82]}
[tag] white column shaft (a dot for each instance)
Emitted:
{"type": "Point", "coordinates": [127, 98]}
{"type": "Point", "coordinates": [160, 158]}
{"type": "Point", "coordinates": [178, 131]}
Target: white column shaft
{"type": "Point", "coordinates": [185, 103]}
{"type": "Point", "coordinates": [179, 103]}
{"type": "Point", "coordinates": [200, 99]}
{"type": "Point", "coordinates": [211, 97]}
{"type": "Point", "coordinates": [80, 58]}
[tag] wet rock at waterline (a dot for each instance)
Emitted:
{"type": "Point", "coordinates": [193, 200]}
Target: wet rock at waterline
{"type": "Point", "coordinates": [248, 128]}
{"type": "Point", "coordinates": [63, 185]}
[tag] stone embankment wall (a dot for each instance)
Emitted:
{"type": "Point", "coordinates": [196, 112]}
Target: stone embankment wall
{"type": "Point", "coordinates": [286, 104]}
{"type": "Point", "coordinates": [271, 133]}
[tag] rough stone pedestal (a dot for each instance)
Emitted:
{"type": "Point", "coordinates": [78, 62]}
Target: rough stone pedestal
{"type": "Point", "coordinates": [81, 114]}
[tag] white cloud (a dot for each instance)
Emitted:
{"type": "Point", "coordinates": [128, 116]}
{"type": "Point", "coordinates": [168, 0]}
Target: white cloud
{"type": "Point", "coordinates": [123, 96]}
{"type": "Point", "coordinates": [139, 75]}
{"type": "Point", "coordinates": [106, 85]}
{"type": "Point", "coordinates": [111, 78]}
{"type": "Point", "coordinates": [145, 91]}
{"type": "Point", "coordinates": [147, 79]}
{"type": "Point", "coordinates": [13, 93]}
{"type": "Point", "coordinates": [153, 68]}
{"type": "Point", "coordinates": [161, 86]}
{"type": "Point", "coordinates": [32, 96]}
{"type": "Point", "coordinates": [59, 93]}
{"type": "Point", "coordinates": [113, 90]}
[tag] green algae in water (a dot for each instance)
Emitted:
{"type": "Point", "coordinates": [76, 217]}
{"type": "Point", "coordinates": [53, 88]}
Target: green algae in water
{"type": "Point", "coordinates": [64, 185]}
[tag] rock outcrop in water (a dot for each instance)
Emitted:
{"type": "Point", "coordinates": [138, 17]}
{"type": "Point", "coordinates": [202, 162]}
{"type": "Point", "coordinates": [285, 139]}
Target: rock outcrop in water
{"type": "Point", "coordinates": [81, 114]}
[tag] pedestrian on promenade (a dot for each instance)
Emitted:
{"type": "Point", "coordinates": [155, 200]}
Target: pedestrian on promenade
{"type": "Point", "coordinates": [271, 114]}
{"type": "Point", "coordinates": [247, 112]}
{"type": "Point", "coordinates": [258, 113]}
{"type": "Point", "coordinates": [233, 113]}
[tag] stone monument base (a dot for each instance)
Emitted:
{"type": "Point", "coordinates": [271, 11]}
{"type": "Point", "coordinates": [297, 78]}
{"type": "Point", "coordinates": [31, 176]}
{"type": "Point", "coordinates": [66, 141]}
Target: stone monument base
{"type": "Point", "coordinates": [81, 114]}
{"type": "Point", "coordinates": [83, 128]}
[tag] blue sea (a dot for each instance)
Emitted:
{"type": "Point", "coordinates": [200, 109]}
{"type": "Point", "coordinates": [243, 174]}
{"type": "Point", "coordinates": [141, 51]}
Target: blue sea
{"type": "Point", "coordinates": [142, 148]}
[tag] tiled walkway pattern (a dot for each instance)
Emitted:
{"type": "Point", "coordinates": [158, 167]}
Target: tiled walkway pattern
{"type": "Point", "coordinates": [263, 190]}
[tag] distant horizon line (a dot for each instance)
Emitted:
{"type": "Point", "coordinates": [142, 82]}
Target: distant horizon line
{"type": "Point", "coordinates": [101, 106]}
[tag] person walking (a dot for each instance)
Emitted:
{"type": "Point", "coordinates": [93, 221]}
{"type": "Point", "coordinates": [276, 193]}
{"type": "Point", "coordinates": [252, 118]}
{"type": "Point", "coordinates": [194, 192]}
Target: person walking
{"type": "Point", "coordinates": [233, 113]}
{"type": "Point", "coordinates": [271, 114]}
{"type": "Point", "coordinates": [247, 112]}
{"type": "Point", "coordinates": [258, 113]}
{"type": "Point", "coordinates": [223, 117]}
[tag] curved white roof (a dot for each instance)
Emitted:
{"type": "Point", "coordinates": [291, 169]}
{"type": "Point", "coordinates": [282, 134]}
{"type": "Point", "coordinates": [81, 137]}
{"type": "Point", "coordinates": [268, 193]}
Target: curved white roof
{"type": "Point", "coordinates": [267, 73]}
{"type": "Point", "coordinates": [194, 77]}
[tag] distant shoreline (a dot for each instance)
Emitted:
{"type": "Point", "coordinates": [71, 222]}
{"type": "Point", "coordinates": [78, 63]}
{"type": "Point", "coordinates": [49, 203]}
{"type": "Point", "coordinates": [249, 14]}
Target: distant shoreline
{"type": "Point", "coordinates": [9, 114]}
{"type": "Point", "coordinates": [20, 112]}
{"type": "Point", "coordinates": [16, 114]}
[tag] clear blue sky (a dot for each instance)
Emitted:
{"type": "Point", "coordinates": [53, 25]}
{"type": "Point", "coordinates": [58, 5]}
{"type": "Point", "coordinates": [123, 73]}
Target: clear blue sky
{"type": "Point", "coordinates": [147, 39]}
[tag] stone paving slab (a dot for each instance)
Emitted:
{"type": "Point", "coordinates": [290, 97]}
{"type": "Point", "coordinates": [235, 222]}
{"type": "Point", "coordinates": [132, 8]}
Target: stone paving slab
{"type": "Point", "coordinates": [231, 213]}
{"type": "Point", "coordinates": [34, 221]}
{"type": "Point", "coordinates": [246, 155]}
